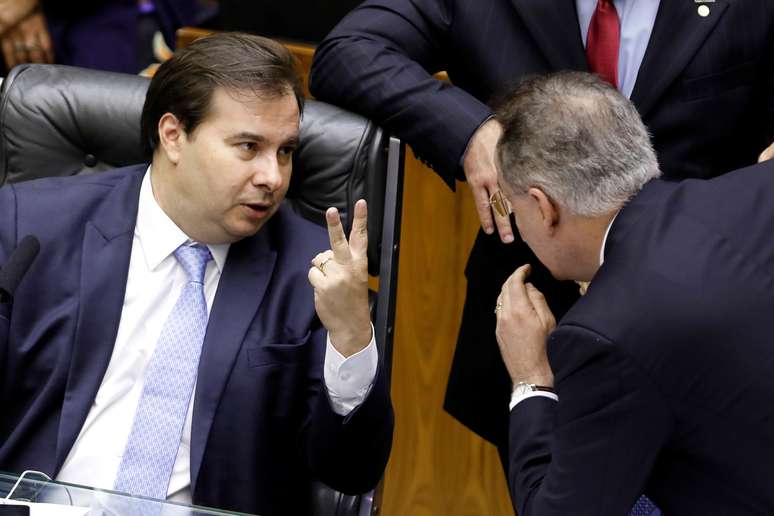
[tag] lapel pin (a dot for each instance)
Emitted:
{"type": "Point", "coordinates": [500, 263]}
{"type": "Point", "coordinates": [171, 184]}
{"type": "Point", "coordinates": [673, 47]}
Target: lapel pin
{"type": "Point", "coordinates": [703, 11]}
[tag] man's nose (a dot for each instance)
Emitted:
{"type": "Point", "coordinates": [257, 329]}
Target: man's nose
{"type": "Point", "coordinates": [267, 173]}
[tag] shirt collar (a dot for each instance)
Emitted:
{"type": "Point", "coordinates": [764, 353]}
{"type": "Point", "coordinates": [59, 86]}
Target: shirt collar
{"type": "Point", "coordinates": [159, 235]}
{"type": "Point", "coordinates": [604, 240]}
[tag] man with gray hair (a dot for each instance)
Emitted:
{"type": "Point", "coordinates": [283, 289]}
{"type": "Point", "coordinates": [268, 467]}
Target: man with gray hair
{"type": "Point", "coordinates": [658, 380]}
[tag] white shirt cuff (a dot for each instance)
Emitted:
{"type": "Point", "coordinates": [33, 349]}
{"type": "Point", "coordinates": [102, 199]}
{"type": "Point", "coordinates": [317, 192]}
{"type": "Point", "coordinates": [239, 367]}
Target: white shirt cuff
{"type": "Point", "coordinates": [349, 379]}
{"type": "Point", "coordinates": [518, 398]}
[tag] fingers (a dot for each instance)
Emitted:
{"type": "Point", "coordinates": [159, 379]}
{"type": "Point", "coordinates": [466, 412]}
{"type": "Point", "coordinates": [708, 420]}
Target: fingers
{"type": "Point", "coordinates": [8, 53]}
{"type": "Point", "coordinates": [28, 42]}
{"type": "Point", "coordinates": [519, 296]}
{"type": "Point", "coordinates": [358, 237]}
{"type": "Point", "coordinates": [520, 275]}
{"type": "Point", "coordinates": [44, 40]}
{"type": "Point", "coordinates": [322, 260]}
{"type": "Point", "coordinates": [481, 196]}
{"type": "Point", "coordinates": [540, 306]}
{"type": "Point", "coordinates": [316, 277]}
{"type": "Point", "coordinates": [767, 153]}
{"type": "Point", "coordinates": [480, 170]}
{"type": "Point", "coordinates": [29, 32]}
{"type": "Point", "coordinates": [320, 268]}
{"type": "Point", "coordinates": [336, 236]}
{"type": "Point", "coordinates": [513, 295]}
{"type": "Point", "coordinates": [36, 39]}
{"type": "Point", "coordinates": [515, 290]}
{"type": "Point", "coordinates": [504, 228]}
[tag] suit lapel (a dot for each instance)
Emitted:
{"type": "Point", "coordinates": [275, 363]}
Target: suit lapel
{"type": "Point", "coordinates": [677, 35]}
{"type": "Point", "coordinates": [553, 24]}
{"type": "Point", "coordinates": [105, 254]}
{"type": "Point", "coordinates": [241, 289]}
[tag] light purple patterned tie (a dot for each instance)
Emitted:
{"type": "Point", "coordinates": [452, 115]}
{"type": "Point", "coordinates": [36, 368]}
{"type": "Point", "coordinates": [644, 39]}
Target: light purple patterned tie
{"type": "Point", "coordinates": [151, 449]}
{"type": "Point", "coordinates": [644, 507]}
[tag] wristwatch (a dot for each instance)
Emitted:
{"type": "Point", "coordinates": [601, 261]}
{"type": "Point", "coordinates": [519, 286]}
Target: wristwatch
{"type": "Point", "coordinates": [522, 389]}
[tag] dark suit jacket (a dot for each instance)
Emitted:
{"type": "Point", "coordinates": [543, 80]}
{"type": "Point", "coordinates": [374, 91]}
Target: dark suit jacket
{"type": "Point", "coordinates": [102, 34]}
{"type": "Point", "coordinates": [297, 20]}
{"type": "Point", "coordinates": [664, 368]}
{"type": "Point", "coordinates": [704, 90]}
{"type": "Point", "coordinates": [262, 421]}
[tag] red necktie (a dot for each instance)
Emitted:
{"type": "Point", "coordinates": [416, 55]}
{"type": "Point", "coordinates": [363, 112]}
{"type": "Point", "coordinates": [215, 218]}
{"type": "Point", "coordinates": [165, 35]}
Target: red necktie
{"type": "Point", "coordinates": [603, 40]}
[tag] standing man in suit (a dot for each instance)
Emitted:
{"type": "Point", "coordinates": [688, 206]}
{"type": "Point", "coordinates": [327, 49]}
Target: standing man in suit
{"type": "Point", "coordinates": [167, 332]}
{"type": "Point", "coordinates": [700, 74]}
{"type": "Point", "coordinates": [659, 378]}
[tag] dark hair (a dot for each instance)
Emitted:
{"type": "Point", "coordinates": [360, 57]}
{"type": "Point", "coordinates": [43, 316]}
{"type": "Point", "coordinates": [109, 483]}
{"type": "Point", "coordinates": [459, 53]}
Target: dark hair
{"type": "Point", "coordinates": [184, 84]}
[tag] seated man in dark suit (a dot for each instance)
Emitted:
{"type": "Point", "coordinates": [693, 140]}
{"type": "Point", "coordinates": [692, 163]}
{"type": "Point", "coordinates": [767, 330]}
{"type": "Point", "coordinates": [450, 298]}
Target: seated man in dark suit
{"type": "Point", "coordinates": [659, 379]}
{"type": "Point", "coordinates": [166, 341]}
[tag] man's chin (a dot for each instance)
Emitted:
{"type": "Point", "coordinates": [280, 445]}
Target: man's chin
{"type": "Point", "coordinates": [246, 229]}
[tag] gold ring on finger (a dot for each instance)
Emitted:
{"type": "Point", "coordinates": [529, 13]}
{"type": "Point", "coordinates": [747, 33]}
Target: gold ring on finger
{"type": "Point", "coordinates": [499, 204]}
{"type": "Point", "coordinates": [322, 265]}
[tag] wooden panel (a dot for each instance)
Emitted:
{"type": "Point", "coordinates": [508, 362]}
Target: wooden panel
{"type": "Point", "coordinates": [437, 466]}
{"type": "Point", "coordinates": [187, 35]}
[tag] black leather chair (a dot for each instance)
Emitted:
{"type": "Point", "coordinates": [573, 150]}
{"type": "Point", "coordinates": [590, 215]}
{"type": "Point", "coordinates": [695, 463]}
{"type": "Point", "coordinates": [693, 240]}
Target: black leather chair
{"type": "Point", "coordinates": [58, 120]}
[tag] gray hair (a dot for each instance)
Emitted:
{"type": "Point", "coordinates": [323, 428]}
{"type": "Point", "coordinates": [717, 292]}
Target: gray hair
{"type": "Point", "coordinates": [576, 138]}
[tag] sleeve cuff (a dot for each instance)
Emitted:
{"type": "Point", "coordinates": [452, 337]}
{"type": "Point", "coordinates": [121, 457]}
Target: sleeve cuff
{"type": "Point", "coordinates": [517, 398]}
{"type": "Point", "coordinates": [349, 379]}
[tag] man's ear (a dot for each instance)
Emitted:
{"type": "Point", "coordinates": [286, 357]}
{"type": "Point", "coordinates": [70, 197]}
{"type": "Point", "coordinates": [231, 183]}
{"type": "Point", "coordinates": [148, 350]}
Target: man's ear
{"type": "Point", "coordinates": [547, 207]}
{"type": "Point", "coordinates": [171, 136]}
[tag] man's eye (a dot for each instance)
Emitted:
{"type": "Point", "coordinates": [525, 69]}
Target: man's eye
{"type": "Point", "coordinates": [248, 146]}
{"type": "Point", "coordinates": [287, 151]}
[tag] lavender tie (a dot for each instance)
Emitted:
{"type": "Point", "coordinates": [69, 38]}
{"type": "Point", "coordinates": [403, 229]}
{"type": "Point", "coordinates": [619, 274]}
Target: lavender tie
{"type": "Point", "coordinates": [644, 507]}
{"type": "Point", "coordinates": [151, 449]}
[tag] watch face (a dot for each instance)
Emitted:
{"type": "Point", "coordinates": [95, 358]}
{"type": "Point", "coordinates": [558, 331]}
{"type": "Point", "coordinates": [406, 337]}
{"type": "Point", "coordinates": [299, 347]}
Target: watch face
{"type": "Point", "coordinates": [522, 389]}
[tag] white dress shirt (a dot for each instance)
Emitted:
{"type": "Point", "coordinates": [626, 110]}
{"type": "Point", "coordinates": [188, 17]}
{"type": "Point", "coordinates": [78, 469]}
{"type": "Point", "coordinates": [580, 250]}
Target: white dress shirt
{"type": "Point", "coordinates": [154, 283]}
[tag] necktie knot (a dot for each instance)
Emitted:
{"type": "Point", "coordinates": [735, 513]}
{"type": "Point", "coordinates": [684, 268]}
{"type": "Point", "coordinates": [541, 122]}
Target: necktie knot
{"type": "Point", "coordinates": [193, 259]}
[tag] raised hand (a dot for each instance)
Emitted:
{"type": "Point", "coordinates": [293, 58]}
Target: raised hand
{"type": "Point", "coordinates": [27, 42]}
{"type": "Point", "coordinates": [14, 11]}
{"type": "Point", "coordinates": [340, 280]}
{"type": "Point", "coordinates": [523, 324]}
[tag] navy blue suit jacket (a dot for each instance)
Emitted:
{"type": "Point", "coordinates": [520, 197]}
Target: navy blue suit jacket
{"type": "Point", "coordinates": [262, 421]}
{"type": "Point", "coordinates": [664, 368]}
{"type": "Point", "coordinates": [704, 90]}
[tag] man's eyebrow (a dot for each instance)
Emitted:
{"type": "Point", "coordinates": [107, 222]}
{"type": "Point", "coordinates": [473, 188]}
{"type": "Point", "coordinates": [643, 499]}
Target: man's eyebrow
{"type": "Point", "coordinates": [246, 135]}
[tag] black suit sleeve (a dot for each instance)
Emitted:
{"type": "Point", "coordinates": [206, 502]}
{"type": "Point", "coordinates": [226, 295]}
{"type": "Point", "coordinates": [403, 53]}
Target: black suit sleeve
{"type": "Point", "coordinates": [378, 61]}
{"type": "Point", "coordinates": [590, 453]}
{"type": "Point", "coordinates": [348, 453]}
{"type": "Point", "coordinates": [8, 240]}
